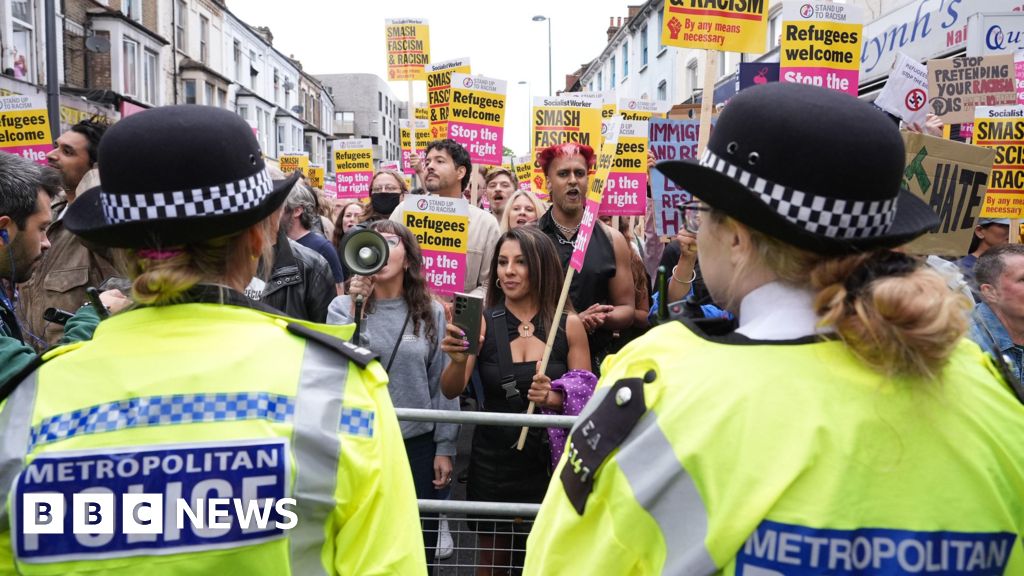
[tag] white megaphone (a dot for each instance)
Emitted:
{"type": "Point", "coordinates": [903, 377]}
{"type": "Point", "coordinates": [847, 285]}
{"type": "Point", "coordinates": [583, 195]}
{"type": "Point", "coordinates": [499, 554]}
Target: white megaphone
{"type": "Point", "coordinates": [364, 252]}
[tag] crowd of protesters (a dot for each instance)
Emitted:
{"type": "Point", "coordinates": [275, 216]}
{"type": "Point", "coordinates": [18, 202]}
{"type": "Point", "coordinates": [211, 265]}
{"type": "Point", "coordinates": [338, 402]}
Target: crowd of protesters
{"type": "Point", "coordinates": [518, 253]}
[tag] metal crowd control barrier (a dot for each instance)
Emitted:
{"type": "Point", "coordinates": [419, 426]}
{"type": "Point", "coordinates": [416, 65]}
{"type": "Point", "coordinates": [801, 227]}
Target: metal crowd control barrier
{"type": "Point", "coordinates": [483, 534]}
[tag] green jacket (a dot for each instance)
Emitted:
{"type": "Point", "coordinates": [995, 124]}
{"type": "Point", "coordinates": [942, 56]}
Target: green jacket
{"type": "Point", "coordinates": [15, 356]}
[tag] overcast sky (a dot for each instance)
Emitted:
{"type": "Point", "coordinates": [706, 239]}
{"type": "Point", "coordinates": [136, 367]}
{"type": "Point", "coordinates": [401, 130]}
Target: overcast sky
{"type": "Point", "coordinates": [500, 38]}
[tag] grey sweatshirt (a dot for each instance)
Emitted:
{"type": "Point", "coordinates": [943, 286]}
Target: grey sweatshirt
{"type": "Point", "coordinates": [415, 375]}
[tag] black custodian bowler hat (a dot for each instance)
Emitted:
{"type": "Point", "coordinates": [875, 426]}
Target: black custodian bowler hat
{"type": "Point", "coordinates": [176, 175]}
{"type": "Point", "coordinates": [815, 168]}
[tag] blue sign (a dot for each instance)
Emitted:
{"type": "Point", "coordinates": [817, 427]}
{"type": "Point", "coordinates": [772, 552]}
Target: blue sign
{"type": "Point", "coordinates": [250, 474]}
{"type": "Point", "coordinates": [757, 73]}
{"type": "Point", "coordinates": [788, 550]}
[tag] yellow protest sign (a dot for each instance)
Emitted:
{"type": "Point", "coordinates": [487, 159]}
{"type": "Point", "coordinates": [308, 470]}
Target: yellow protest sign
{"type": "Point", "coordinates": [439, 80]}
{"type": "Point", "coordinates": [353, 167]}
{"type": "Point", "coordinates": [441, 228]}
{"type": "Point", "coordinates": [631, 109]}
{"type": "Point", "coordinates": [563, 119]}
{"type": "Point", "coordinates": [294, 162]}
{"type": "Point", "coordinates": [477, 117]}
{"type": "Point", "coordinates": [25, 127]}
{"type": "Point", "coordinates": [422, 113]}
{"type": "Point", "coordinates": [608, 109]}
{"type": "Point", "coordinates": [726, 25]}
{"type": "Point", "coordinates": [408, 46]}
{"type": "Point", "coordinates": [422, 138]}
{"type": "Point", "coordinates": [821, 45]}
{"type": "Point", "coordinates": [595, 194]}
{"type": "Point", "coordinates": [316, 176]}
{"type": "Point", "coordinates": [1002, 129]}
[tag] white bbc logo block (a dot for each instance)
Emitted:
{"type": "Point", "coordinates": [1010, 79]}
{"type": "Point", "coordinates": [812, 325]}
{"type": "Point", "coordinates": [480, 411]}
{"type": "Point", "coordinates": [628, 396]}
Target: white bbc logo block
{"type": "Point", "coordinates": [142, 513]}
{"type": "Point", "coordinates": [42, 513]}
{"type": "Point", "coordinates": [93, 513]}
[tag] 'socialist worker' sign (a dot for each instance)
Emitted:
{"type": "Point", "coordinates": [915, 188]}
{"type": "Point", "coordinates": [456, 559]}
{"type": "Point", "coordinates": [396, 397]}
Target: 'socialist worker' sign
{"type": "Point", "coordinates": [295, 162]}
{"type": "Point", "coordinates": [727, 25]}
{"type": "Point", "coordinates": [408, 41]}
{"type": "Point", "coordinates": [821, 45]}
{"type": "Point", "coordinates": [25, 127]}
{"type": "Point", "coordinates": [1002, 129]}
{"type": "Point", "coordinates": [564, 119]}
{"type": "Point", "coordinates": [441, 227]}
{"type": "Point", "coordinates": [605, 160]}
{"type": "Point", "coordinates": [316, 176]}
{"type": "Point", "coordinates": [353, 167]}
{"type": "Point", "coordinates": [477, 118]}
{"type": "Point", "coordinates": [439, 80]}
{"type": "Point", "coordinates": [422, 137]}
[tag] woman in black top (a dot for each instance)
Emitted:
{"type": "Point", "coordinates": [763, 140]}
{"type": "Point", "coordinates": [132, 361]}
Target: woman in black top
{"type": "Point", "coordinates": [520, 306]}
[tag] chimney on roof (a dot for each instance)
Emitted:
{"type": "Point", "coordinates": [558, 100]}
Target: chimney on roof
{"type": "Point", "coordinates": [612, 28]}
{"type": "Point", "coordinates": [264, 31]}
{"type": "Point", "coordinates": [634, 10]}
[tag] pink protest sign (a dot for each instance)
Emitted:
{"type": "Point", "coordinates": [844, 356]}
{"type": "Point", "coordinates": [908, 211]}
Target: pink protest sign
{"type": "Point", "coordinates": [441, 227]}
{"type": "Point", "coordinates": [353, 168]}
{"type": "Point", "coordinates": [476, 117]}
{"type": "Point", "coordinates": [594, 194]}
{"type": "Point", "coordinates": [1018, 63]}
{"type": "Point", "coordinates": [25, 127]}
{"type": "Point", "coordinates": [625, 193]}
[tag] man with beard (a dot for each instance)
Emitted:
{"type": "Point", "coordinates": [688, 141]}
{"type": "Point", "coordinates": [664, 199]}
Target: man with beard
{"type": "Point", "coordinates": [499, 184]}
{"type": "Point", "coordinates": [25, 193]}
{"type": "Point", "coordinates": [447, 173]}
{"type": "Point", "coordinates": [602, 293]}
{"type": "Point", "coordinates": [70, 266]}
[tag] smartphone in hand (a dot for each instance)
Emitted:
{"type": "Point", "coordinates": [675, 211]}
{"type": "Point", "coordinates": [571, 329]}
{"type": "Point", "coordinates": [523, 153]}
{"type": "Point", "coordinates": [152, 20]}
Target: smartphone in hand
{"type": "Point", "coordinates": [467, 313]}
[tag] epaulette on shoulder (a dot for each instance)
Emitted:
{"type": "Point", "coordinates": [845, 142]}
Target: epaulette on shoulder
{"type": "Point", "coordinates": [361, 356]}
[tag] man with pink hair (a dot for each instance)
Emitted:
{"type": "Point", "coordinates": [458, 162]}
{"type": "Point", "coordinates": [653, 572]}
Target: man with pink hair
{"type": "Point", "coordinates": [602, 293]}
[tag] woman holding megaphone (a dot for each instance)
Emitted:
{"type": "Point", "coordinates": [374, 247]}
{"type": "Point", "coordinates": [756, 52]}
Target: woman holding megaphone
{"type": "Point", "coordinates": [403, 325]}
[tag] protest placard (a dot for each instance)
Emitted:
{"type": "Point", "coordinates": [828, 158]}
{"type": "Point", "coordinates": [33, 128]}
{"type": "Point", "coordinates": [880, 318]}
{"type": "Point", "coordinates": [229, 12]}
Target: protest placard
{"type": "Point", "coordinates": [757, 73]}
{"type": "Point", "coordinates": [1018, 64]}
{"type": "Point", "coordinates": [956, 86]}
{"type": "Point", "coordinates": [441, 227]}
{"type": "Point", "coordinates": [1002, 129]}
{"type": "Point", "coordinates": [315, 175]}
{"type": "Point", "coordinates": [631, 109]}
{"type": "Point", "coordinates": [439, 80]}
{"type": "Point", "coordinates": [396, 166]}
{"type": "Point", "coordinates": [905, 94]}
{"type": "Point", "coordinates": [609, 106]}
{"type": "Point", "coordinates": [422, 112]}
{"type": "Point", "coordinates": [595, 194]}
{"type": "Point", "coordinates": [331, 188]}
{"type": "Point", "coordinates": [563, 119]}
{"type": "Point", "coordinates": [523, 166]}
{"type": "Point", "coordinates": [422, 137]}
{"type": "Point", "coordinates": [294, 161]}
{"type": "Point", "coordinates": [353, 167]}
{"type": "Point", "coordinates": [25, 127]}
{"type": "Point", "coordinates": [477, 117]}
{"type": "Point", "coordinates": [408, 46]}
{"type": "Point", "coordinates": [671, 140]}
{"type": "Point", "coordinates": [729, 26]}
{"type": "Point", "coordinates": [952, 178]}
{"type": "Point", "coordinates": [821, 44]}
{"type": "Point", "coordinates": [625, 193]}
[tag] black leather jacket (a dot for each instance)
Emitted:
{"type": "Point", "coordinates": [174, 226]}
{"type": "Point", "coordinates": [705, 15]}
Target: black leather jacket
{"type": "Point", "coordinates": [300, 284]}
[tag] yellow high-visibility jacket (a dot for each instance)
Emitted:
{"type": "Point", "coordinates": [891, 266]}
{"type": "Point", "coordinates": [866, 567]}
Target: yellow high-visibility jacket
{"type": "Point", "coordinates": [722, 455]}
{"type": "Point", "coordinates": [206, 401]}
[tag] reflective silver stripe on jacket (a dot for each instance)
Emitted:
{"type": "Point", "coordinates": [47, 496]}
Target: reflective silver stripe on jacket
{"type": "Point", "coordinates": [316, 448]}
{"type": "Point", "coordinates": [15, 427]}
{"type": "Point", "coordinates": [663, 487]}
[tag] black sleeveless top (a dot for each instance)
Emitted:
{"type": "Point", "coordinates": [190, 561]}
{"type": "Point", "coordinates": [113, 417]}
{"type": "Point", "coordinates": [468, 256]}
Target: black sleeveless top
{"type": "Point", "coordinates": [591, 285]}
{"type": "Point", "coordinates": [498, 472]}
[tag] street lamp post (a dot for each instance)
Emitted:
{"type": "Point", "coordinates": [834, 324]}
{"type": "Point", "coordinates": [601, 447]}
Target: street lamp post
{"type": "Point", "coordinates": [529, 110]}
{"type": "Point", "coordinates": [540, 18]}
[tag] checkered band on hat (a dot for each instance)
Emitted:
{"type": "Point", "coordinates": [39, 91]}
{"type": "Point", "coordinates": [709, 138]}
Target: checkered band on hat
{"type": "Point", "coordinates": [222, 199]}
{"type": "Point", "coordinates": [831, 217]}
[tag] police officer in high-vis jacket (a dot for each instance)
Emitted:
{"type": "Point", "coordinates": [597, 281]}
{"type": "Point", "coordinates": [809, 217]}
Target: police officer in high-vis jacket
{"type": "Point", "coordinates": [842, 425]}
{"type": "Point", "coordinates": [172, 442]}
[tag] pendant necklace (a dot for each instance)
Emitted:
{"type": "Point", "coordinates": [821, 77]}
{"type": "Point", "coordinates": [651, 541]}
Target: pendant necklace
{"type": "Point", "coordinates": [525, 329]}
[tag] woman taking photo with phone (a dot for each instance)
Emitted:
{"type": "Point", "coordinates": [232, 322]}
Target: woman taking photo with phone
{"type": "Point", "coordinates": [519, 309]}
{"type": "Point", "coordinates": [402, 325]}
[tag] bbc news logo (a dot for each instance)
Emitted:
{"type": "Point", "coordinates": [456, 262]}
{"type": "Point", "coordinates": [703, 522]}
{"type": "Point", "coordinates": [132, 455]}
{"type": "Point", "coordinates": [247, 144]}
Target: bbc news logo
{"type": "Point", "coordinates": [95, 514]}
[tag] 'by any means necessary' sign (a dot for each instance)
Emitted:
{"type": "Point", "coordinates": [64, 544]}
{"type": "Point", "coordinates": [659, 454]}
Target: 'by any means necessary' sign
{"type": "Point", "coordinates": [727, 25]}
